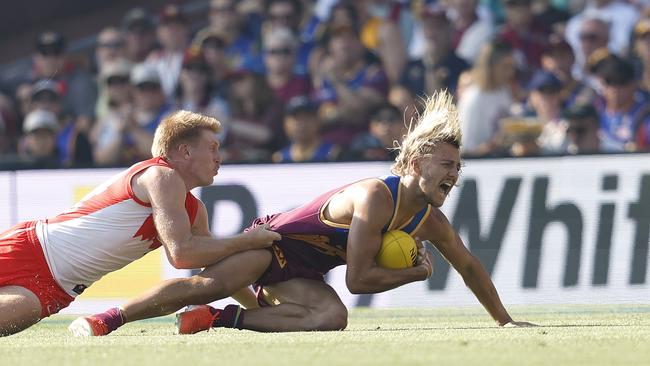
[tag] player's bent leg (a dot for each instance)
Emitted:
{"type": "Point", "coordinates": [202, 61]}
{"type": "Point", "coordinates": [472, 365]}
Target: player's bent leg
{"type": "Point", "coordinates": [215, 282]}
{"type": "Point", "coordinates": [19, 309]}
{"type": "Point", "coordinates": [304, 305]}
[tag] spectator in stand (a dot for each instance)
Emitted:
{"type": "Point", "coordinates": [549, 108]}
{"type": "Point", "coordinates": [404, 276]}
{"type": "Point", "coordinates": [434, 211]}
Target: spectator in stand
{"type": "Point", "coordinates": [487, 99]}
{"type": "Point", "coordinates": [76, 87]}
{"type": "Point", "coordinates": [546, 103]}
{"type": "Point", "coordinates": [280, 47]}
{"type": "Point", "coordinates": [381, 34]}
{"type": "Point", "coordinates": [239, 31]}
{"type": "Point", "coordinates": [553, 15]}
{"type": "Point", "coordinates": [288, 14]}
{"type": "Point", "coordinates": [347, 86]}
{"type": "Point", "coordinates": [620, 15]}
{"type": "Point", "coordinates": [149, 108]}
{"type": "Point", "coordinates": [139, 30]}
{"type": "Point", "coordinates": [39, 145]}
{"type": "Point", "coordinates": [72, 139]}
{"type": "Point", "coordinates": [256, 117]}
{"type": "Point", "coordinates": [108, 133]}
{"type": "Point", "coordinates": [111, 46]}
{"type": "Point", "coordinates": [302, 127]}
{"type": "Point", "coordinates": [558, 59]}
{"type": "Point", "coordinates": [584, 135]}
{"type": "Point", "coordinates": [174, 37]}
{"type": "Point", "coordinates": [213, 46]}
{"type": "Point", "coordinates": [386, 128]}
{"type": "Point", "coordinates": [439, 67]}
{"type": "Point", "coordinates": [642, 50]}
{"type": "Point", "coordinates": [194, 89]}
{"type": "Point", "coordinates": [471, 32]}
{"type": "Point", "coordinates": [625, 115]}
{"type": "Point", "coordinates": [593, 36]}
{"type": "Point", "coordinates": [525, 33]}
{"type": "Point", "coordinates": [8, 127]}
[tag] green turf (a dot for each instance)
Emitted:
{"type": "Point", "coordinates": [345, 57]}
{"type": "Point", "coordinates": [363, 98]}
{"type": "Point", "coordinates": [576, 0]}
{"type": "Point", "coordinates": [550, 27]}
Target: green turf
{"type": "Point", "coordinates": [572, 335]}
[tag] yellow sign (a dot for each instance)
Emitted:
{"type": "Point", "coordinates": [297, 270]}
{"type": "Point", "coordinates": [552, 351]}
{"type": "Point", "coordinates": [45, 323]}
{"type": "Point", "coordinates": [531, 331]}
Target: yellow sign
{"type": "Point", "coordinates": [129, 281]}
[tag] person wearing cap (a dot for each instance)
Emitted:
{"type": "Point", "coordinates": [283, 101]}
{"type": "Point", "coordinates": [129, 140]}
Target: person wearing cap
{"type": "Point", "coordinates": [302, 127]}
{"type": "Point", "coordinates": [39, 144]}
{"type": "Point", "coordinates": [150, 106]}
{"type": "Point", "coordinates": [116, 96]}
{"type": "Point", "coordinates": [72, 138]}
{"type": "Point", "coordinates": [583, 132]}
{"type": "Point", "coordinates": [76, 86]}
{"type": "Point", "coordinates": [385, 128]}
{"type": "Point", "coordinates": [641, 48]}
{"type": "Point", "coordinates": [439, 67]}
{"type": "Point", "coordinates": [174, 37]}
{"type": "Point", "coordinates": [625, 113]}
{"type": "Point", "coordinates": [545, 101]}
{"type": "Point", "coordinates": [138, 27]}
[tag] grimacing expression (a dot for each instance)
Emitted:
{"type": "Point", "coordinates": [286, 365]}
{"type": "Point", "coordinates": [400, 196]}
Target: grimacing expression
{"type": "Point", "coordinates": [205, 157]}
{"type": "Point", "coordinates": [438, 173]}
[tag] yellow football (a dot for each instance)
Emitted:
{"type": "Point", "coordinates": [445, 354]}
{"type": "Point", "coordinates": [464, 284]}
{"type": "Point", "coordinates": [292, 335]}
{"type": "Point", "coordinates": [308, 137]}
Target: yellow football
{"type": "Point", "coordinates": [398, 250]}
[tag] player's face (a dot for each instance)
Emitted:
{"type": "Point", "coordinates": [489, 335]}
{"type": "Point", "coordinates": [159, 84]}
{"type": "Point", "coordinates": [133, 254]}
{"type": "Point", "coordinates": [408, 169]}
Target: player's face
{"type": "Point", "coordinates": [205, 157]}
{"type": "Point", "coordinates": [438, 173]}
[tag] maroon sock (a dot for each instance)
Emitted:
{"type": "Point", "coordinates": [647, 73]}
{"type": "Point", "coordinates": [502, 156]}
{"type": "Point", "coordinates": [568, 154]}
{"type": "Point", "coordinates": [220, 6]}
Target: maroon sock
{"type": "Point", "coordinates": [232, 316]}
{"type": "Point", "coordinates": [112, 318]}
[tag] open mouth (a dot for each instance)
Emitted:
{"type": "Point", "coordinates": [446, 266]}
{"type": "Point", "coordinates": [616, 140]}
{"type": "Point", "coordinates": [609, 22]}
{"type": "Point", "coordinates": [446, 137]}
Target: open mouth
{"type": "Point", "coordinates": [445, 187]}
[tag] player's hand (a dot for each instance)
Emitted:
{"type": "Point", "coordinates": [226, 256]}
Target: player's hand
{"type": "Point", "coordinates": [514, 324]}
{"type": "Point", "coordinates": [262, 236]}
{"type": "Point", "coordinates": [424, 259]}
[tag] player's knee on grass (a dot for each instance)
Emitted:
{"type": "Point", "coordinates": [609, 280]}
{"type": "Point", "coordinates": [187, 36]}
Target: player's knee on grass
{"type": "Point", "coordinates": [19, 310]}
{"type": "Point", "coordinates": [334, 317]}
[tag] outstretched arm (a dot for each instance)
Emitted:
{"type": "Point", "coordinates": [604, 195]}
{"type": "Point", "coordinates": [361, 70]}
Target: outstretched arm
{"type": "Point", "coordinates": [372, 210]}
{"type": "Point", "coordinates": [451, 246]}
{"type": "Point", "coordinates": [166, 191]}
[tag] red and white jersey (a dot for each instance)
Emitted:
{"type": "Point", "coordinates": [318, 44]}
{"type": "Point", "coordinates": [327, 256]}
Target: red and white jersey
{"type": "Point", "coordinates": [108, 229]}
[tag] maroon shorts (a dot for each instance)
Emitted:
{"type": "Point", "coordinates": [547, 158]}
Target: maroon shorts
{"type": "Point", "coordinates": [285, 264]}
{"type": "Point", "coordinates": [23, 264]}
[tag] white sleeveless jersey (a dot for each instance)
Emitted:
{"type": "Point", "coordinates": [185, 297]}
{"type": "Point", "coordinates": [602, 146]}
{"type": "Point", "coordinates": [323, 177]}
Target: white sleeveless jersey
{"type": "Point", "coordinates": [108, 229]}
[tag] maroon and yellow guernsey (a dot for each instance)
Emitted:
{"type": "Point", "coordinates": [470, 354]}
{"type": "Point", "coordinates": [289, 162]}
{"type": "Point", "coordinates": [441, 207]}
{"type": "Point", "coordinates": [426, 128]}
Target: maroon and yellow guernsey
{"type": "Point", "coordinates": [312, 241]}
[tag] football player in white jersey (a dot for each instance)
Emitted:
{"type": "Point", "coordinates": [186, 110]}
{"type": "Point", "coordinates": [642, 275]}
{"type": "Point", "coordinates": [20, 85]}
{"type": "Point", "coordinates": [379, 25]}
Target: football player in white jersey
{"type": "Point", "coordinates": [44, 264]}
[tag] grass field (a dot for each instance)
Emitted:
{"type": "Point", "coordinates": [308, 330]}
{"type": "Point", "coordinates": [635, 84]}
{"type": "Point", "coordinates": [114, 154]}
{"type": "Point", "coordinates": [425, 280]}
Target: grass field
{"type": "Point", "coordinates": [571, 335]}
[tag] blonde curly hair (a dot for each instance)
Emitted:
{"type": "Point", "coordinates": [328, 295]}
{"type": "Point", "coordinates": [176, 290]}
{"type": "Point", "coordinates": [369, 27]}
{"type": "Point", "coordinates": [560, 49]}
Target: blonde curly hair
{"type": "Point", "coordinates": [439, 123]}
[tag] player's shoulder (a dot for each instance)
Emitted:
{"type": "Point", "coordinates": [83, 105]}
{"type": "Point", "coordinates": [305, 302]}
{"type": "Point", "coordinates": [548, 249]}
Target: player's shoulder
{"type": "Point", "coordinates": [159, 178]}
{"type": "Point", "coordinates": [372, 189]}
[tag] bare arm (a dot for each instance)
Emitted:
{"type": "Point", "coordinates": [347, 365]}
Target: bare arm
{"type": "Point", "coordinates": [451, 246]}
{"type": "Point", "coordinates": [166, 191]}
{"type": "Point", "coordinates": [372, 210]}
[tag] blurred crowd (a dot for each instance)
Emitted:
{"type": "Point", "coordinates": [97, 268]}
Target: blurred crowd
{"type": "Point", "coordinates": [328, 80]}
